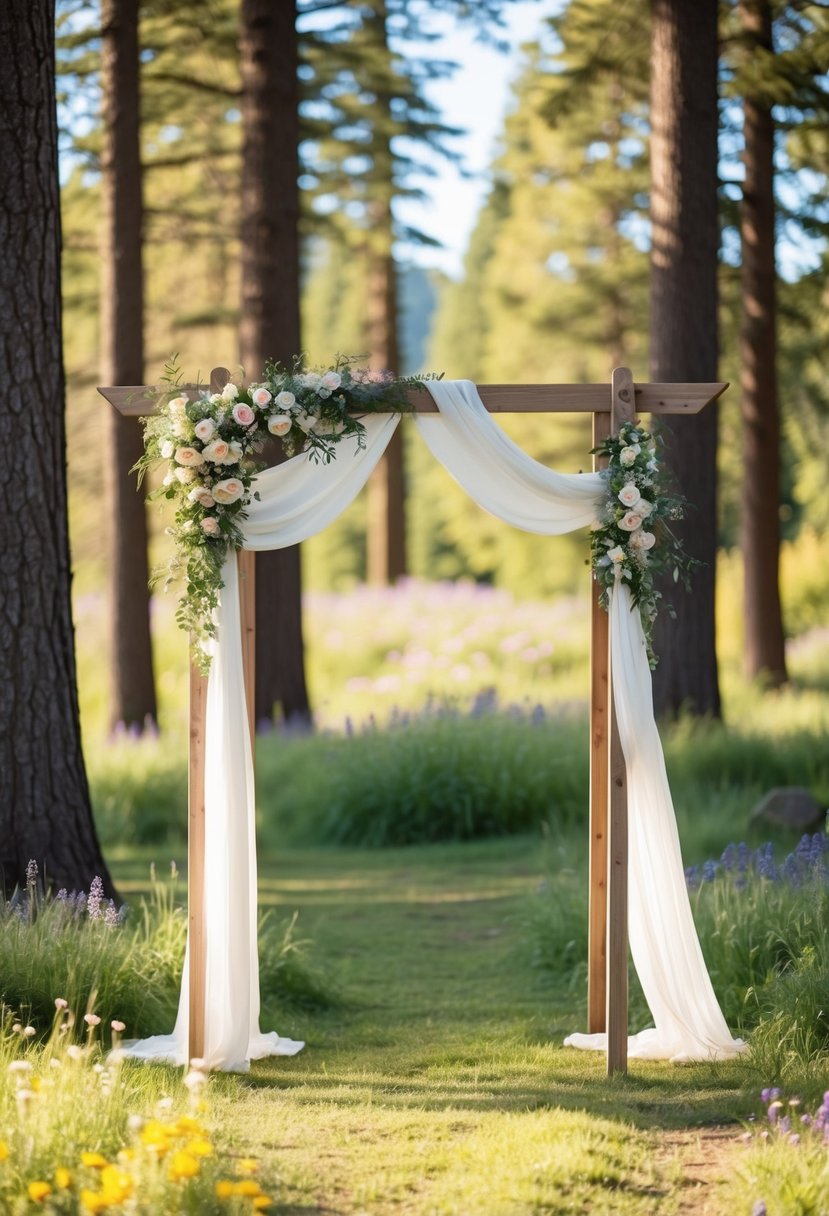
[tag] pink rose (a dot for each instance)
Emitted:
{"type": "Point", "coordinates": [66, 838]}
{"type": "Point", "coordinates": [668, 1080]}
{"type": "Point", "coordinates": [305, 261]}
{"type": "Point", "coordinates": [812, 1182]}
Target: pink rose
{"type": "Point", "coordinates": [210, 526]}
{"type": "Point", "coordinates": [630, 522]}
{"type": "Point", "coordinates": [261, 397]}
{"type": "Point", "coordinates": [243, 414]}
{"type": "Point", "coordinates": [202, 496]}
{"type": "Point", "coordinates": [332, 380]}
{"type": "Point", "coordinates": [229, 490]}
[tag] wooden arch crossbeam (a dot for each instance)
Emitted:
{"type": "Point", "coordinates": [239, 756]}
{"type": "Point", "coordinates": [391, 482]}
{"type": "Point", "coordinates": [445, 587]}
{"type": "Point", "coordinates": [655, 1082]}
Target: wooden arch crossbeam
{"type": "Point", "coordinates": [607, 985]}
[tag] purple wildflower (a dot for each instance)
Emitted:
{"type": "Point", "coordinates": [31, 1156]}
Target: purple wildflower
{"type": "Point", "coordinates": [759, 1208]}
{"type": "Point", "coordinates": [96, 895]}
{"type": "Point", "coordinates": [31, 874]}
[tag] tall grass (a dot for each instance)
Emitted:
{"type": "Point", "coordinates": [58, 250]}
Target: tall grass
{"type": "Point", "coordinates": [66, 948]}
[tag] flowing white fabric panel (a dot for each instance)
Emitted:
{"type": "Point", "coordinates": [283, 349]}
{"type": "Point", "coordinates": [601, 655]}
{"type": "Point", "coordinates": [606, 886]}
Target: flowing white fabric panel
{"type": "Point", "coordinates": [300, 498]}
{"type": "Point", "coordinates": [297, 499]}
{"type": "Point", "coordinates": [666, 953]}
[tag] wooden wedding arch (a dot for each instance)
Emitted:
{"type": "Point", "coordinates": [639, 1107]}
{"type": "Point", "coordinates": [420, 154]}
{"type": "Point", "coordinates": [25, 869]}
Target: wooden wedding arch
{"type": "Point", "coordinates": [607, 982]}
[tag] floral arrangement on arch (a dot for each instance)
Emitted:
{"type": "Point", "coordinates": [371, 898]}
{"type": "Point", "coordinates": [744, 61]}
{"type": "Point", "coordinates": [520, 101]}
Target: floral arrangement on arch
{"type": "Point", "coordinates": [632, 538]}
{"type": "Point", "coordinates": [210, 442]}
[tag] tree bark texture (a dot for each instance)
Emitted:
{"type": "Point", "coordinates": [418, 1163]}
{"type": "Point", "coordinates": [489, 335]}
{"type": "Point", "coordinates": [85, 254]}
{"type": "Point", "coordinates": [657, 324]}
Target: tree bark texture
{"type": "Point", "coordinates": [764, 646]}
{"type": "Point", "coordinates": [386, 541]}
{"type": "Point", "coordinates": [683, 331]}
{"type": "Point", "coordinates": [132, 687]}
{"type": "Point", "coordinates": [44, 798]}
{"type": "Point", "coordinates": [269, 326]}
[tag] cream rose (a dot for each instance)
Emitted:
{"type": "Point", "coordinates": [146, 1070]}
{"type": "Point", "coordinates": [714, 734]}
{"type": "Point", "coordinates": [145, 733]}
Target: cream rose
{"type": "Point", "coordinates": [230, 392]}
{"type": "Point", "coordinates": [217, 451]}
{"type": "Point", "coordinates": [229, 490]}
{"type": "Point", "coordinates": [202, 496]}
{"type": "Point", "coordinates": [627, 457]}
{"type": "Point", "coordinates": [261, 396]}
{"type": "Point", "coordinates": [243, 414]}
{"type": "Point", "coordinates": [643, 540]}
{"type": "Point", "coordinates": [630, 522]}
{"type": "Point", "coordinates": [210, 526]}
{"type": "Point", "coordinates": [178, 404]}
{"type": "Point", "coordinates": [279, 424]}
{"type": "Point", "coordinates": [204, 429]}
{"type": "Point", "coordinates": [629, 495]}
{"type": "Point", "coordinates": [332, 380]}
{"type": "Point", "coordinates": [189, 457]}
{"type": "Point", "coordinates": [285, 400]}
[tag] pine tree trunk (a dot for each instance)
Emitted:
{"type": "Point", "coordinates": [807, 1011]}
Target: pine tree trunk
{"type": "Point", "coordinates": [683, 334]}
{"type": "Point", "coordinates": [44, 798]}
{"type": "Point", "coordinates": [764, 652]}
{"type": "Point", "coordinates": [132, 687]}
{"type": "Point", "coordinates": [386, 547]}
{"type": "Point", "coordinates": [269, 326]}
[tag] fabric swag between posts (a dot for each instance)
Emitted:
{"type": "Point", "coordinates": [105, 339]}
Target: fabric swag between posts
{"type": "Point", "coordinates": [300, 498]}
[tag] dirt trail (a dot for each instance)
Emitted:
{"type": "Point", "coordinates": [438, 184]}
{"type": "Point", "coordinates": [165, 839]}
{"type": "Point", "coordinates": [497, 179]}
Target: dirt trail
{"type": "Point", "coordinates": [703, 1158]}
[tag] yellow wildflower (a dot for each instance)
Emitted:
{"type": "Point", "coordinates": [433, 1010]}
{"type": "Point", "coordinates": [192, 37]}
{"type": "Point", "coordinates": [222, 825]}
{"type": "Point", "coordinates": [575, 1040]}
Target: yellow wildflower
{"type": "Point", "coordinates": [156, 1136]}
{"type": "Point", "coordinates": [261, 1202]}
{"type": "Point", "coordinates": [248, 1165]}
{"type": "Point", "coordinates": [38, 1191]}
{"type": "Point", "coordinates": [183, 1165]}
{"type": "Point", "coordinates": [94, 1160]}
{"type": "Point", "coordinates": [199, 1148]}
{"type": "Point", "coordinates": [116, 1186]}
{"type": "Point", "coordinates": [63, 1178]}
{"type": "Point", "coordinates": [94, 1201]}
{"type": "Point", "coordinates": [248, 1188]}
{"type": "Point", "coordinates": [4, 1150]}
{"type": "Point", "coordinates": [224, 1189]}
{"type": "Point", "coordinates": [187, 1123]}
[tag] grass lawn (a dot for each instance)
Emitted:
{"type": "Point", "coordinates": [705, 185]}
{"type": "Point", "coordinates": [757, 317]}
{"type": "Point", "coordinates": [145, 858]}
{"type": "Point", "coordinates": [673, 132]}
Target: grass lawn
{"type": "Point", "coordinates": [439, 1084]}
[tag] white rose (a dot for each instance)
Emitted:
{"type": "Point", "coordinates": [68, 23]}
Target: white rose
{"type": "Point", "coordinates": [311, 380]}
{"type": "Point", "coordinates": [167, 449]}
{"type": "Point", "coordinates": [630, 522]}
{"type": "Point", "coordinates": [217, 451]}
{"type": "Point", "coordinates": [627, 457]}
{"type": "Point", "coordinates": [202, 496]}
{"type": "Point", "coordinates": [185, 476]}
{"type": "Point", "coordinates": [629, 495]}
{"type": "Point", "coordinates": [178, 404]}
{"type": "Point", "coordinates": [204, 429]}
{"type": "Point", "coordinates": [189, 457]}
{"type": "Point", "coordinates": [279, 424]}
{"type": "Point", "coordinates": [285, 400]}
{"type": "Point", "coordinates": [230, 392]}
{"type": "Point", "coordinates": [210, 526]}
{"type": "Point", "coordinates": [332, 380]}
{"type": "Point", "coordinates": [644, 507]}
{"type": "Point", "coordinates": [229, 490]}
{"type": "Point", "coordinates": [647, 540]}
{"type": "Point", "coordinates": [616, 555]}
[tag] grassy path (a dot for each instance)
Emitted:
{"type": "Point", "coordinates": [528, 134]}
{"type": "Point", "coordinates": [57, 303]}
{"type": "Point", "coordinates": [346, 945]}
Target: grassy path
{"type": "Point", "coordinates": [439, 1085]}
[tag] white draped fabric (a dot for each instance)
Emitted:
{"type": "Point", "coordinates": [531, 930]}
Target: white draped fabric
{"type": "Point", "coordinates": [300, 498]}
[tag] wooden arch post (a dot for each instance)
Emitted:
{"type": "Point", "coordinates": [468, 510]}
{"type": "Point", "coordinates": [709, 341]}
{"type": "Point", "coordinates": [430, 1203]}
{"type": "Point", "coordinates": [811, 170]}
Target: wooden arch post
{"type": "Point", "coordinates": [610, 407]}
